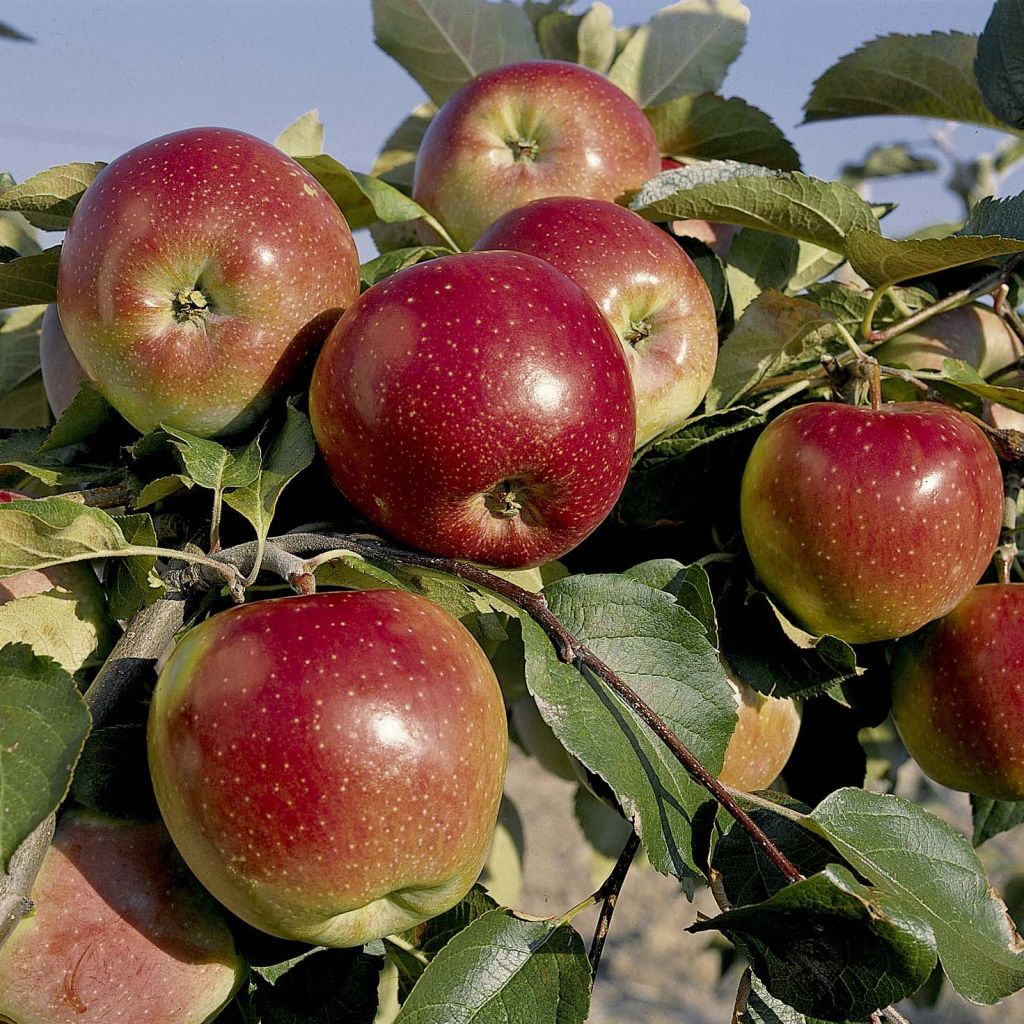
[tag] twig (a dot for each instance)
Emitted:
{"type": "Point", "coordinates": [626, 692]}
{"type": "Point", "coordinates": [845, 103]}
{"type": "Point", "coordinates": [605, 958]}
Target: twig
{"type": "Point", "coordinates": [112, 496]}
{"type": "Point", "coordinates": [16, 885]}
{"type": "Point", "coordinates": [609, 893]}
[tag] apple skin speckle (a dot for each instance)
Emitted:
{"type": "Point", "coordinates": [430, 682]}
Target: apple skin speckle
{"type": "Point", "coordinates": [958, 694]}
{"type": "Point", "coordinates": [465, 378]}
{"type": "Point", "coordinates": [867, 524]}
{"type": "Point", "coordinates": [331, 766]}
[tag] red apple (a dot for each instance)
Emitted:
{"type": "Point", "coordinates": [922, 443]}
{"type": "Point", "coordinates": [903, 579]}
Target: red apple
{"type": "Point", "coordinates": [867, 524]}
{"type": "Point", "coordinates": [764, 737]}
{"type": "Point", "coordinates": [974, 334]}
{"type": "Point", "coordinates": [526, 131]}
{"type": "Point", "coordinates": [645, 284]}
{"type": "Point", "coordinates": [62, 372]}
{"type": "Point", "coordinates": [477, 406]}
{"type": "Point", "coordinates": [330, 766]}
{"type": "Point", "coordinates": [120, 931]}
{"type": "Point", "coordinates": [198, 271]}
{"type": "Point", "coordinates": [958, 694]}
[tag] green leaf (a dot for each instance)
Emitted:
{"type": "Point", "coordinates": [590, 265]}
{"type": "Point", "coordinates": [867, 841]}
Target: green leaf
{"type": "Point", "coordinates": [498, 965]}
{"type": "Point", "coordinates": [663, 653]}
{"type": "Point", "coordinates": [19, 346]}
{"type": "Point", "coordinates": [596, 38]}
{"type": "Point", "coordinates": [303, 137]}
{"type": "Point", "coordinates": [1003, 217]}
{"type": "Point", "coordinates": [323, 986]}
{"type": "Point", "coordinates": [887, 162]}
{"type": "Point", "coordinates": [8, 32]}
{"type": "Point", "coordinates": [135, 585]}
{"type": "Point", "coordinates": [991, 817]}
{"type": "Point", "coordinates": [558, 36]}
{"type": "Point", "coordinates": [43, 725]}
{"type": "Point", "coordinates": [25, 406]}
{"type": "Point", "coordinates": [829, 926]}
{"type": "Point", "coordinates": [398, 259]}
{"type": "Point", "coordinates": [711, 127]}
{"type": "Point", "coordinates": [916, 76]}
{"type": "Point", "coordinates": [813, 262]}
{"type": "Point", "coordinates": [88, 415]}
{"type": "Point", "coordinates": [445, 43]}
{"type": "Point", "coordinates": [884, 261]}
{"type": "Point", "coordinates": [965, 378]}
{"type": "Point", "coordinates": [850, 305]}
{"type": "Point", "coordinates": [758, 262]}
{"type": "Point", "coordinates": [397, 159]}
{"type": "Point", "coordinates": [63, 468]}
{"type": "Point", "coordinates": [30, 280]}
{"type": "Point", "coordinates": [773, 331]}
{"type": "Point", "coordinates": [362, 198]}
{"type": "Point", "coordinates": [47, 200]}
{"type": "Point", "coordinates": [290, 453]}
{"type": "Point", "coordinates": [683, 50]}
{"type": "Point", "coordinates": [688, 584]}
{"type": "Point", "coordinates": [18, 235]}
{"type": "Point", "coordinates": [763, 1008]}
{"type": "Point", "coordinates": [907, 852]}
{"type": "Point", "coordinates": [822, 212]}
{"type": "Point", "coordinates": [997, 66]}
{"type": "Point", "coordinates": [212, 465]}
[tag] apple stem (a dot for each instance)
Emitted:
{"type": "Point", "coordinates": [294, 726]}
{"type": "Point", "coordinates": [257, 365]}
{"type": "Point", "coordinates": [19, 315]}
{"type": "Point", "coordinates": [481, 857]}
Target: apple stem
{"type": "Point", "coordinates": [1006, 553]}
{"type": "Point", "coordinates": [609, 895]}
{"type": "Point", "coordinates": [111, 496]}
{"type": "Point", "coordinates": [16, 885]}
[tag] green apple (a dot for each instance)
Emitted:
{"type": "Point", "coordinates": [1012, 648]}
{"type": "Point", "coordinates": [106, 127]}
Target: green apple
{"type": "Point", "coordinates": [330, 766]}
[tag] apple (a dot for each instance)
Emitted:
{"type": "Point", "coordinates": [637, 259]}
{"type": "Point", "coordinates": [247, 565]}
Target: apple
{"type": "Point", "coordinates": [717, 237]}
{"type": "Point", "coordinates": [62, 372]}
{"type": "Point", "coordinates": [477, 406]}
{"type": "Point", "coordinates": [197, 273]}
{"type": "Point", "coordinates": [974, 334]}
{"type": "Point", "coordinates": [1000, 415]}
{"type": "Point", "coordinates": [764, 737]}
{"type": "Point", "coordinates": [87, 623]}
{"type": "Point", "coordinates": [330, 766]}
{"type": "Point", "coordinates": [868, 523]}
{"type": "Point", "coordinates": [957, 699]}
{"type": "Point", "coordinates": [526, 131]}
{"type": "Point", "coordinates": [120, 931]}
{"type": "Point", "coordinates": [645, 284]}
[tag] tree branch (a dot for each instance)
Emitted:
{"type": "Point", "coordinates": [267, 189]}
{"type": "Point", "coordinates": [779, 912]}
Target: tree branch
{"type": "Point", "coordinates": [609, 893]}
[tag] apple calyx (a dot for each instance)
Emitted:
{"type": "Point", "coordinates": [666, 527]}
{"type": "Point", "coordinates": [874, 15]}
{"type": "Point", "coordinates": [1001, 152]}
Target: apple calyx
{"type": "Point", "coordinates": [523, 149]}
{"type": "Point", "coordinates": [191, 306]}
{"type": "Point", "coordinates": [639, 330]}
{"type": "Point", "coordinates": [503, 501]}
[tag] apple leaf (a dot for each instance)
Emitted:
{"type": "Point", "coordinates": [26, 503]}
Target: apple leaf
{"type": "Point", "coordinates": [497, 965]}
{"type": "Point", "coordinates": [87, 417]}
{"type": "Point", "coordinates": [47, 200]}
{"type": "Point", "coordinates": [25, 405]}
{"type": "Point", "coordinates": [685, 49]}
{"type": "Point", "coordinates": [17, 236]}
{"type": "Point", "coordinates": [865, 941]}
{"type": "Point", "coordinates": [991, 817]}
{"type": "Point", "coordinates": [30, 280]}
{"type": "Point", "coordinates": [135, 584]}
{"type": "Point", "coordinates": [758, 262]}
{"type": "Point", "coordinates": [990, 216]}
{"type": "Point", "coordinates": [362, 198]}
{"type": "Point", "coordinates": [112, 775]}
{"type": "Point", "coordinates": [398, 259]}
{"type": "Point", "coordinates": [558, 36]}
{"type": "Point", "coordinates": [887, 162]}
{"type": "Point", "coordinates": [303, 137]}
{"type": "Point", "coordinates": [214, 466]}
{"type": "Point", "coordinates": [692, 473]}
{"type": "Point", "coordinates": [664, 654]}
{"type": "Point", "coordinates": [927, 75]}
{"type": "Point", "coordinates": [850, 305]}
{"type": "Point", "coordinates": [883, 261]}
{"type": "Point", "coordinates": [711, 127]}
{"type": "Point", "coordinates": [595, 38]}
{"type": "Point", "coordinates": [763, 1008]}
{"type": "Point", "coordinates": [397, 159]}
{"type": "Point", "coordinates": [965, 377]}
{"type": "Point", "coordinates": [19, 346]}
{"type": "Point", "coordinates": [774, 331]}
{"type": "Point", "coordinates": [688, 584]}
{"type": "Point", "coordinates": [43, 725]}
{"type": "Point", "coordinates": [786, 203]}
{"type": "Point", "coordinates": [445, 43]}
{"type": "Point", "coordinates": [997, 66]}
{"type": "Point", "coordinates": [903, 850]}
{"type": "Point", "coordinates": [291, 451]}
{"type": "Point", "coordinates": [321, 986]}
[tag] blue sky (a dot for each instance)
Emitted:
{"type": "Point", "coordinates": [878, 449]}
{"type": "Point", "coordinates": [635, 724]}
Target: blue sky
{"type": "Point", "coordinates": [104, 76]}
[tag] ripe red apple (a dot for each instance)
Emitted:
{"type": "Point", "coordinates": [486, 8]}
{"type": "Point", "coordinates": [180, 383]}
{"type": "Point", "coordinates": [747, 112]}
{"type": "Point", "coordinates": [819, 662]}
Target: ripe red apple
{"type": "Point", "coordinates": [974, 334]}
{"type": "Point", "coordinates": [330, 767]}
{"type": "Point", "coordinates": [764, 737]}
{"type": "Point", "coordinates": [526, 131]}
{"type": "Point", "coordinates": [958, 694]}
{"type": "Point", "coordinates": [120, 931]}
{"type": "Point", "coordinates": [90, 624]}
{"type": "Point", "coordinates": [643, 282]}
{"type": "Point", "coordinates": [477, 406]}
{"type": "Point", "coordinates": [62, 372]}
{"type": "Point", "coordinates": [198, 271]}
{"type": "Point", "coordinates": [867, 524]}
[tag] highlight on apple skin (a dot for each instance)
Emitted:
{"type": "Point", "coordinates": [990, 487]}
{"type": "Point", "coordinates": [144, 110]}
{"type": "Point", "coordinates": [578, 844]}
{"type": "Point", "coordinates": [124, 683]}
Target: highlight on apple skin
{"type": "Point", "coordinates": [120, 931]}
{"type": "Point", "coordinates": [198, 272]}
{"type": "Point", "coordinates": [650, 290]}
{"type": "Point", "coordinates": [845, 510]}
{"type": "Point", "coordinates": [477, 406]}
{"type": "Point", "coordinates": [527, 131]}
{"type": "Point", "coordinates": [958, 694]}
{"type": "Point", "coordinates": [330, 766]}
